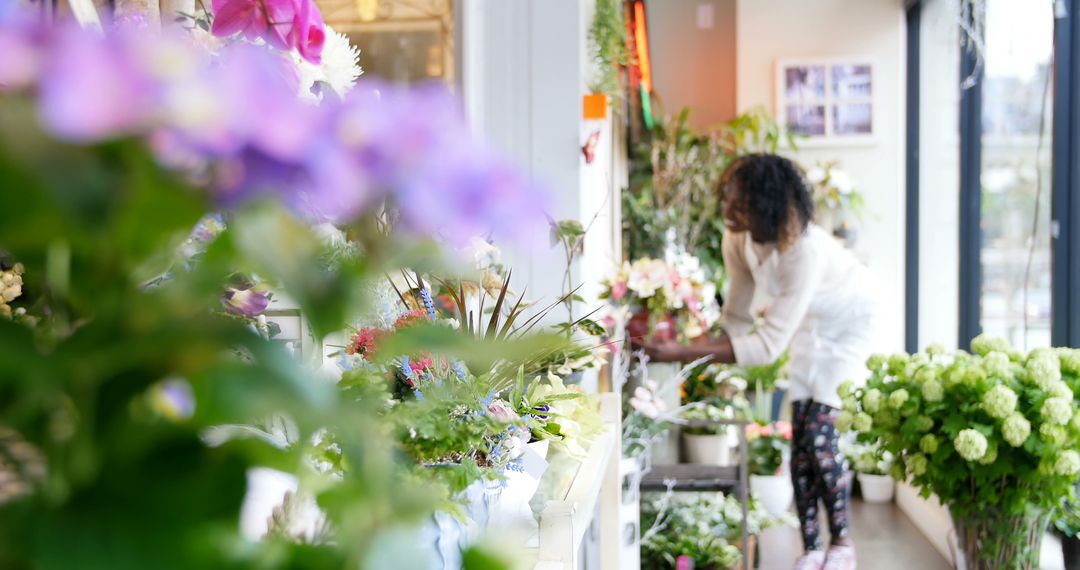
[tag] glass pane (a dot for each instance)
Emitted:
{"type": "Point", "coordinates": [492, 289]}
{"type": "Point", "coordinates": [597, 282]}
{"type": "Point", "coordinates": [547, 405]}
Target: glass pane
{"type": "Point", "coordinates": [1016, 171]}
{"type": "Point", "coordinates": [803, 83]}
{"type": "Point", "coordinates": [806, 120]}
{"type": "Point", "coordinates": [853, 119]}
{"type": "Point", "coordinates": [849, 81]}
{"type": "Point", "coordinates": [400, 40]}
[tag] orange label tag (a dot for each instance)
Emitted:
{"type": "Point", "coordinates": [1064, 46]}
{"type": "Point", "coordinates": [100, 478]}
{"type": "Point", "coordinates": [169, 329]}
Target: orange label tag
{"type": "Point", "coordinates": [594, 106]}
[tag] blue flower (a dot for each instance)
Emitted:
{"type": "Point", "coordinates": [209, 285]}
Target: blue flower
{"type": "Point", "coordinates": [425, 295]}
{"type": "Point", "coordinates": [459, 370]}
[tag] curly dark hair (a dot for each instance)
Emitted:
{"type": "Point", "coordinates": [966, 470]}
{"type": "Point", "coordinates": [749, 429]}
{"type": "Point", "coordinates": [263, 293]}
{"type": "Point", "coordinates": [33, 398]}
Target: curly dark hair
{"type": "Point", "coordinates": [766, 195]}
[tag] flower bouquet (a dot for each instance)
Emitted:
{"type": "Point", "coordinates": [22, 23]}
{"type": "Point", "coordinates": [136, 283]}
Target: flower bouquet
{"type": "Point", "coordinates": [993, 434]}
{"type": "Point", "coordinates": [665, 300]}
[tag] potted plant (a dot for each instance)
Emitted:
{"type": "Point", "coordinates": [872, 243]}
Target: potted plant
{"type": "Point", "coordinates": [770, 446]}
{"type": "Point", "coordinates": [1067, 522]}
{"type": "Point", "coordinates": [872, 465]}
{"type": "Point", "coordinates": [709, 445]}
{"type": "Point", "coordinates": [836, 201]}
{"type": "Point", "coordinates": [706, 528]}
{"type": "Point", "coordinates": [994, 434]}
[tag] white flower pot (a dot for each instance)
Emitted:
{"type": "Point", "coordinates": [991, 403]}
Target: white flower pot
{"type": "Point", "coordinates": [774, 492]}
{"type": "Point", "coordinates": [709, 449]}
{"type": "Point", "coordinates": [876, 488]}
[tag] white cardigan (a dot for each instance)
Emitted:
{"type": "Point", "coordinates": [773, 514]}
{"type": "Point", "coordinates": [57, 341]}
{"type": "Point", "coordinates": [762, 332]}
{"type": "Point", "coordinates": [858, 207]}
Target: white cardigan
{"type": "Point", "coordinates": [821, 295]}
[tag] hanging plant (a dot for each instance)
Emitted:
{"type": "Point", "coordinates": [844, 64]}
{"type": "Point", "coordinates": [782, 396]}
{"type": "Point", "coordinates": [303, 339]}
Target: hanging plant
{"type": "Point", "coordinates": [607, 46]}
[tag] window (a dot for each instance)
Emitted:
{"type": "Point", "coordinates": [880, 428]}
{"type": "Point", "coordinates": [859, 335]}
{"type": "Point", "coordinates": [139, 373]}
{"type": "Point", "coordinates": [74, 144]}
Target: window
{"type": "Point", "coordinates": [404, 41]}
{"type": "Point", "coordinates": [994, 173]}
{"type": "Point", "coordinates": [1017, 111]}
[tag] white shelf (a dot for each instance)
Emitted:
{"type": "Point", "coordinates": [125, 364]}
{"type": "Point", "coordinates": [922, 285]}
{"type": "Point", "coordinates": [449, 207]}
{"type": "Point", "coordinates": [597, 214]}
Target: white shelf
{"type": "Point", "coordinates": [565, 519]}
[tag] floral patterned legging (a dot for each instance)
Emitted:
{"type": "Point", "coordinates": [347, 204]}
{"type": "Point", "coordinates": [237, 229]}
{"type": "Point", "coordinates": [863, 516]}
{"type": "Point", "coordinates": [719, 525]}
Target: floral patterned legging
{"type": "Point", "coordinates": [818, 471]}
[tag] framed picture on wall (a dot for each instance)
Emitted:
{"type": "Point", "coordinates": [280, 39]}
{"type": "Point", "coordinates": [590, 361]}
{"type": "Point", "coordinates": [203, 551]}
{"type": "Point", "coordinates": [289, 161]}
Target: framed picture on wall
{"type": "Point", "coordinates": [827, 101]}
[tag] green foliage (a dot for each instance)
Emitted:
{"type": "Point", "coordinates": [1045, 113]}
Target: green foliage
{"type": "Point", "coordinates": [1068, 518]}
{"type": "Point", "coordinates": [608, 49]}
{"type": "Point", "coordinates": [767, 454]}
{"type": "Point", "coordinates": [755, 131]}
{"type": "Point", "coordinates": [871, 459]}
{"type": "Point", "coordinates": [674, 195]}
{"type": "Point", "coordinates": [703, 526]}
{"type": "Point", "coordinates": [999, 445]}
{"type": "Point", "coordinates": [128, 483]}
{"type": "Point", "coordinates": [712, 410]}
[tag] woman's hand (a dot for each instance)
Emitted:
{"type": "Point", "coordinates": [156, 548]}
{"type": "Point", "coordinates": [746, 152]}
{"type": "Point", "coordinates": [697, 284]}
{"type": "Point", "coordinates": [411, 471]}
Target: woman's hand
{"type": "Point", "coordinates": [664, 351]}
{"type": "Point", "coordinates": [719, 349]}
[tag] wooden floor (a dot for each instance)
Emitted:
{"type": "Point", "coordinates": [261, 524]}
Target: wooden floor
{"type": "Point", "coordinates": [884, 540]}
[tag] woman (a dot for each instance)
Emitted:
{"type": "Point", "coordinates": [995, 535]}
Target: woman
{"type": "Point", "coordinates": [822, 310]}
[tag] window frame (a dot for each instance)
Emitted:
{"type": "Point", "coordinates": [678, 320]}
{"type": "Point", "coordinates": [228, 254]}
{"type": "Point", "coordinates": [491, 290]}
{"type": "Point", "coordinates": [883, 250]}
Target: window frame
{"type": "Point", "coordinates": [1065, 186]}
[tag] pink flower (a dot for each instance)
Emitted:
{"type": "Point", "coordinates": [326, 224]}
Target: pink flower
{"type": "Point", "coordinates": [284, 24]}
{"type": "Point", "coordinates": [501, 410]}
{"type": "Point", "coordinates": [420, 365]}
{"type": "Point", "coordinates": [618, 290]}
{"type": "Point", "coordinates": [783, 429]}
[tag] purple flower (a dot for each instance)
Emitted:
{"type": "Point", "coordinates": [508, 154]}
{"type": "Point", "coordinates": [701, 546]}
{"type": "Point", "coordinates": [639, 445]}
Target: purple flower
{"type": "Point", "coordinates": [93, 88]}
{"type": "Point", "coordinates": [233, 123]}
{"type": "Point", "coordinates": [173, 399]}
{"type": "Point", "coordinates": [21, 42]}
{"type": "Point", "coordinates": [247, 300]}
{"type": "Point", "coordinates": [468, 190]}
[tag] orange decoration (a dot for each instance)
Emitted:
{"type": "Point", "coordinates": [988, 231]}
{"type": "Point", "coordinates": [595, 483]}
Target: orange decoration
{"type": "Point", "coordinates": [594, 106]}
{"type": "Point", "coordinates": [642, 40]}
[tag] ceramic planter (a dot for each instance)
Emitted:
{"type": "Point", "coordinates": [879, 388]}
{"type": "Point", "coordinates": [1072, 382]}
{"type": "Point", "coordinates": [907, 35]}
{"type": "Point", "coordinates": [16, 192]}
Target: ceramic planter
{"type": "Point", "coordinates": [774, 492]}
{"type": "Point", "coordinates": [876, 488]}
{"type": "Point", "coordinates": [709, 449]}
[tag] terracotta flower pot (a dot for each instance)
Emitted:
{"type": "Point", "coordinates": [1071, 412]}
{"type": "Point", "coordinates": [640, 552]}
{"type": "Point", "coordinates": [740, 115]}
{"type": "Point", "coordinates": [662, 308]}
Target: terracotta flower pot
{"type": "Point", "coordinates": [641, 327]}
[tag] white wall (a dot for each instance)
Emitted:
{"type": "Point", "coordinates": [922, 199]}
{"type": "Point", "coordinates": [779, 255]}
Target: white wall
{"type": "Point", "coordinates": [693, 58]}
{"type": "Point", "coordinates": [771, 30]}
{"type": "Point", "coordinates": [524, 74]}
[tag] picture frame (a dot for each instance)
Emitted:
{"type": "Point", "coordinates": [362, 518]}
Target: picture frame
{"type": "Point", "coordinates": [828, 101]}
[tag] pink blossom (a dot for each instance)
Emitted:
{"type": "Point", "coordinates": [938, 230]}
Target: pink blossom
{"type": "Point", "coordinates": [618, 290]}
{"type": "Point", "coordinates": [420, 365]}
{"type": "Point", "coordinates": [284, 24]}
{"type": "Point", "coordinates": [502, 411]}
{"type": "Point", "coordinates": [783, 429]}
